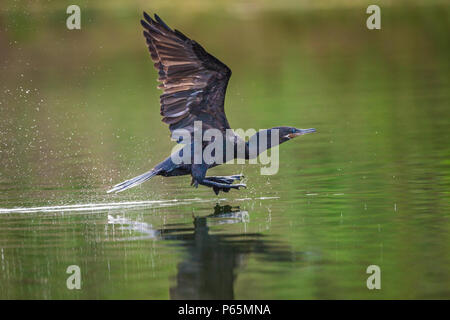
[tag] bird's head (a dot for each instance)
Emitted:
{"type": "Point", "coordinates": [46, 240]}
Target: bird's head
{"type": "Point", "coordinates": [288, 133]}
{"type": "Point", "coordinates": [283, 133]}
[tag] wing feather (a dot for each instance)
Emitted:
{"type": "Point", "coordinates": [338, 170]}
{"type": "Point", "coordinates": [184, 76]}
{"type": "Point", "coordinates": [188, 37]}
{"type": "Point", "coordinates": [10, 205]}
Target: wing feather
{"type": "Point", "coordinates": [193, 81]}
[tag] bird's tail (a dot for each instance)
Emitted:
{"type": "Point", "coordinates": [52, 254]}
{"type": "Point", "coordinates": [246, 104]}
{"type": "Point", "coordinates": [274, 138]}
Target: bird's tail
{"type": "Point", "coordinates": [134, 181]}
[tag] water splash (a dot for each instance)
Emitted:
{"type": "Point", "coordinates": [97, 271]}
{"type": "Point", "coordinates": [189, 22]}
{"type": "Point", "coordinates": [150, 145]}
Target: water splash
{"type": "Point", "coordinates": [89, 207]}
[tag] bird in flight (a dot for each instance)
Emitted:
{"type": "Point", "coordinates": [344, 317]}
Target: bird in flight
{"type": "Point", "coordinates": [194, 84]}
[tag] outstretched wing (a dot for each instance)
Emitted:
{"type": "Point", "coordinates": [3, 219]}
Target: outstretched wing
{"type": "Point", "coordinates": [194, 82]}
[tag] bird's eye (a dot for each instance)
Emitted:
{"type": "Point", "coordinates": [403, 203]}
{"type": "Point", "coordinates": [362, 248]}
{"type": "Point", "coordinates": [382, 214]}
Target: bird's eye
{"type": "Point", "coordinates": [293, 130]}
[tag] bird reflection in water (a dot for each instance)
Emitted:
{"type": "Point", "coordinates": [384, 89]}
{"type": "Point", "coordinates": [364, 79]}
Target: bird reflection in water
{"type": "Point", "coordinates": [211, 261]}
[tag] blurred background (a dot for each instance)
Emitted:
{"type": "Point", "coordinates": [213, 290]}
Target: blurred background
{"type": "Point", "coordinates": [79, 112]}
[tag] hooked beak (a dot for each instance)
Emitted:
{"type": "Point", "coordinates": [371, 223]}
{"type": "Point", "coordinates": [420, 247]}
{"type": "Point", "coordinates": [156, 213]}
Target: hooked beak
{"type": "Point", "coordinates": [300, 132]}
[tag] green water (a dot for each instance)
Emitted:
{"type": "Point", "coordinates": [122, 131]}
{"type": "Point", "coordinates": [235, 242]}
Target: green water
{"type": "Point", "coordinates": [80, 113]}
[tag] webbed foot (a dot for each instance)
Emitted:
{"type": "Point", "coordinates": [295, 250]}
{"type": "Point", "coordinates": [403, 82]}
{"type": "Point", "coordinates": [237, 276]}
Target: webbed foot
{"type": "Point", "coordinates": [225, 186]}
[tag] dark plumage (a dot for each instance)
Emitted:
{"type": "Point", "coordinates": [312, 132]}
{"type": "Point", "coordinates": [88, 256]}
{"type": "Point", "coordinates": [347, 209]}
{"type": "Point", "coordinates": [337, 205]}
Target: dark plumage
{"type": "Point", "coordinates": [194, 84]}
{"type": "Point", "coordinates": [193, 81]}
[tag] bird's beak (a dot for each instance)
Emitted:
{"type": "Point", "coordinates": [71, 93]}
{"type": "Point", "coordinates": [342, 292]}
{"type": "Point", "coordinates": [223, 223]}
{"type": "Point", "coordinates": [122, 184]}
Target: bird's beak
{"type": "Point", "coordinates": [300, 132]}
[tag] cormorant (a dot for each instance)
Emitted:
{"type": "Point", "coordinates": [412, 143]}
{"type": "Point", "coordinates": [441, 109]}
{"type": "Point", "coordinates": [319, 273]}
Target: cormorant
{"type": "Point", "coordinates": [194, 84]}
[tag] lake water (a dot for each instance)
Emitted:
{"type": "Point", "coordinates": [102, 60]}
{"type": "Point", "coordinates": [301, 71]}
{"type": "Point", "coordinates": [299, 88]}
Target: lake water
{"type": "Point", "coordinates": [80, 113]}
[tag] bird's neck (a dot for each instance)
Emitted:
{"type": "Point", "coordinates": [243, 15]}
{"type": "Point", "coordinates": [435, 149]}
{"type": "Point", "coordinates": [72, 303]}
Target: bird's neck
{"type": "Point", "coordinates": [259, 142]}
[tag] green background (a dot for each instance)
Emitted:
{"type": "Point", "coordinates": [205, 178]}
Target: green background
{"type": "Point", "coordinates": [79, 112]}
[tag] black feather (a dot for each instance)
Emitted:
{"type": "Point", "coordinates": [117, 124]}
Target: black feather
{"type": "Point", "coordinates": [145, 24]}
{"type": "Point", "coordinates": [162, 22]}
{"type": "Point", "coordinates": [181, 35]}
{"type": "Point", "coordinates": [192, 79]}
{"type": "Point", "coordinates": [148, 18]}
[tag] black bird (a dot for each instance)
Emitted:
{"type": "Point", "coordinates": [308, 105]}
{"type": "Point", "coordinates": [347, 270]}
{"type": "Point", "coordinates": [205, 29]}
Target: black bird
{"type": "Point", "coordinates": [194, 85]}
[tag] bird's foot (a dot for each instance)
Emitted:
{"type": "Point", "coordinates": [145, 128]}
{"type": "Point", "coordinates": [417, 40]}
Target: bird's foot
{"type": "Point", "coordinates": [194, 182]}
{"type": "Point", "coordinates": [221, 183]}
{"type": "Point", "coordinates": [227, 189]}
{"type": "Point", "coordinates": [226, 179]}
